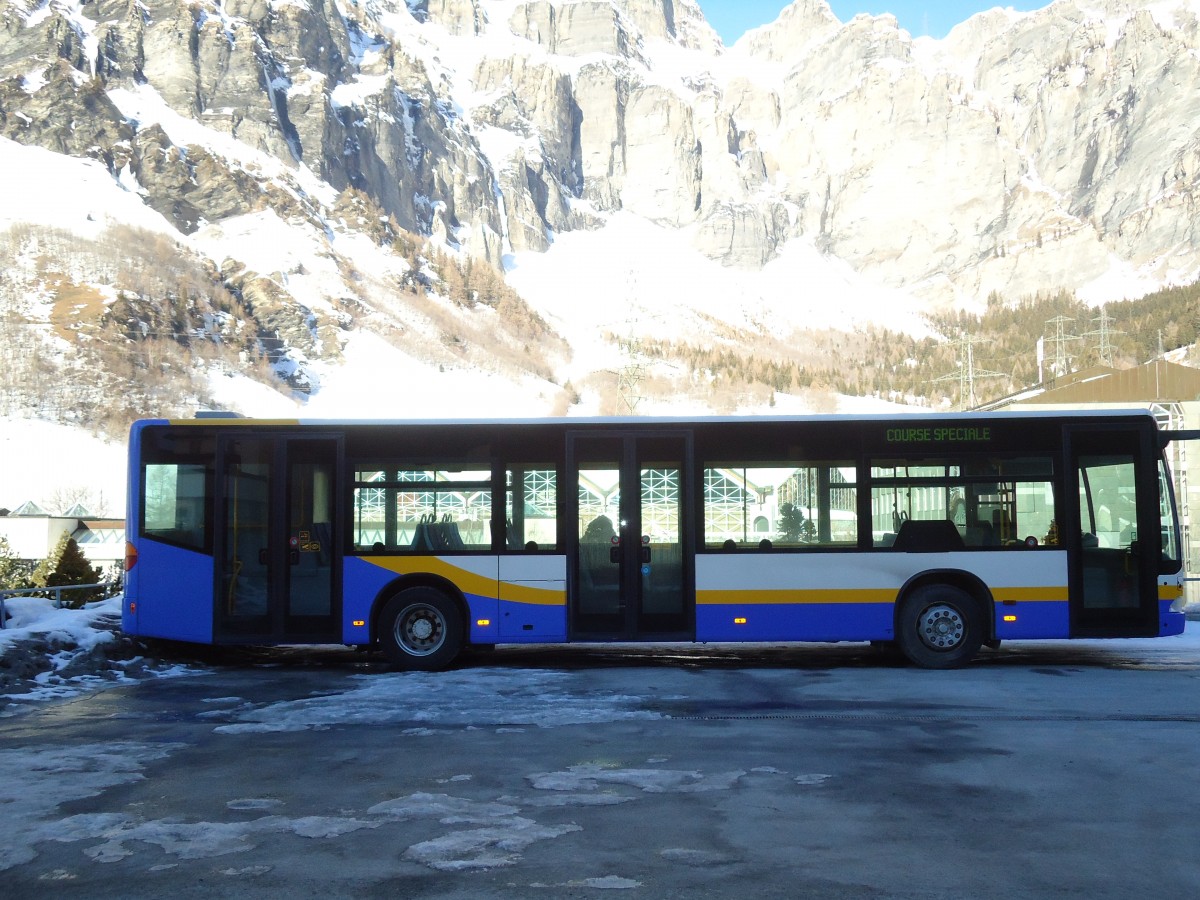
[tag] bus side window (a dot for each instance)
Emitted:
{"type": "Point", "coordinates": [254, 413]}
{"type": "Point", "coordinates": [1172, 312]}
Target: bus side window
{"type": "Point", "coordinates": [176, 502]}
{"type": "Point", "coordinates": [530, 508]}
{"type": "Point", "coordinates": [787, 505]}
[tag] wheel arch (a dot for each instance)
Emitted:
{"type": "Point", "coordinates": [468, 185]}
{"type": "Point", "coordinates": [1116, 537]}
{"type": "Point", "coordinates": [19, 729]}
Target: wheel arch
{"type": "Point", "coordinates": [420, 579]}
{"type": "Point", "coordinates": [969, 583]}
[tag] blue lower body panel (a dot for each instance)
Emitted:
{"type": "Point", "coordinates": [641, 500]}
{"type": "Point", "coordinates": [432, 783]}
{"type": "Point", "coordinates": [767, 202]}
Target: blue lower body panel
{"type": "Point", "coordinates": [795, 622]}
{"type": "Point", "coordinates": [169, 594]}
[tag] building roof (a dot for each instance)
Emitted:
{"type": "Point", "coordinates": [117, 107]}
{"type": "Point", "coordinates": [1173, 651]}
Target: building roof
{"type": "Point", "coordinates": [29, 508]}
{"type": "Point", "coordinates": [1158, 381]}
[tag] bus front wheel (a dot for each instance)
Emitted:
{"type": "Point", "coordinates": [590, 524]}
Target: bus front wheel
{"type": "Point", "coordinates": [939, 627]}
{"type": "Point", "coordinates": [420, 629]}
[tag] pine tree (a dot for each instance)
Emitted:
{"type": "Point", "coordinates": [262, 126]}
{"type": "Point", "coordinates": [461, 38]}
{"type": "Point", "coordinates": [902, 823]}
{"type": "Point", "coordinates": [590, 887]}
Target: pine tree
{"type": "Point", "coordinates": [791, 523]}
{"type": "Point", "coordinates": [66, 565]}
{"type": "Point", "coordinates": [11, 571]}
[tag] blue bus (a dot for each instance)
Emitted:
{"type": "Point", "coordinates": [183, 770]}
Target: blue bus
{"type": "Point", "coordinates": [937, 534]}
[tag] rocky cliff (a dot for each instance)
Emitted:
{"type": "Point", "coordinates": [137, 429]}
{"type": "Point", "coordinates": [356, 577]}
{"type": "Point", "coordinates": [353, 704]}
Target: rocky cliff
{"type": "Point", "coordinates": [1025, 152]}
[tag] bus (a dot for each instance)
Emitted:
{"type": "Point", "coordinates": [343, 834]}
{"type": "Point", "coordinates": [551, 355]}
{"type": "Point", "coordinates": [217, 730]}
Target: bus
{"type": "Point", "coordinates": [935, 534]}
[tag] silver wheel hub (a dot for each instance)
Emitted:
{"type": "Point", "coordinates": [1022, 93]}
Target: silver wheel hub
{"type": "Point", "coordinates": [420, 630]}
{"type": "Point", "coordinates": [941, 627]}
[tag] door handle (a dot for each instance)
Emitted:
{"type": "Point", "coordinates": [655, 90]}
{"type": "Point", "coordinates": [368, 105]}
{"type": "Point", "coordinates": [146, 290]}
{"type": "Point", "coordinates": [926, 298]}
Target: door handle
{"type": "Point", "coordinates": [614, 554]}
{"type": "Point", "coordinates": [645, 554]}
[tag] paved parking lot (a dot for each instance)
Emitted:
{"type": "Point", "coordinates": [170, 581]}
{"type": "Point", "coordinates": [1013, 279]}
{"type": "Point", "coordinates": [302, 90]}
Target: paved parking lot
{"type": "Point", "coordinates": [1065, 770]}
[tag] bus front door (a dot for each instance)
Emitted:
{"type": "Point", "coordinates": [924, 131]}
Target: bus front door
{"type": "Point", "coordinates": [1114, 540]}
{"type": "Point", "coordinates": [275, 547]}
{"type": "Point", "coordinates": [631, 574]}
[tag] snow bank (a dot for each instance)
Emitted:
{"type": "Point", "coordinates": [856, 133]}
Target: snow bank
{"type": "Point", "coordinates": [37, 617]}
{"type": "Point", "coordinates": [50, 653]}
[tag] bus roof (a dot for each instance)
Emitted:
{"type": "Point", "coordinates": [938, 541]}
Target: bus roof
{"type": "Point", "coordinates": [234, 420]}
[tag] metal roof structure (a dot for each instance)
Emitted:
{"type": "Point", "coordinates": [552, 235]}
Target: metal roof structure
{"type": "Point", "coordinates": [1158, 381]}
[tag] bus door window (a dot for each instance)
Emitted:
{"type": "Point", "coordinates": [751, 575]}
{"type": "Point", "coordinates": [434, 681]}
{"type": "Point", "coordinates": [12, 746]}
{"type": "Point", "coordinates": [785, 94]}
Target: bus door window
{"type": "Point", "coordinates": [1172, 555]}
{"type": "Point", "coordinates": [599, 540]}
{"type": "Point", "coordinates": [1108, 525]}
{"type": "Point", "coordinates": [310, 537]}
{"type": "Point", "coordinates": [661, 549]}
{"type": "Point", "coordinates": [248, 465]}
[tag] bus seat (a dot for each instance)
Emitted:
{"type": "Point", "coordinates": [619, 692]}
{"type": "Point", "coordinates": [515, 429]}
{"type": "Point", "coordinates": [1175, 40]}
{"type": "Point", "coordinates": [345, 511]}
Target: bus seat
{"type": "Point", "coordinates": [928, 536]}
{"type": "Point", "coordinates": [981, 534]}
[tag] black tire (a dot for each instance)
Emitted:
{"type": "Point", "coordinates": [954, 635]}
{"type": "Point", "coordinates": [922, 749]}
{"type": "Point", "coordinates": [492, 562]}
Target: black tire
{"type": "Point", "coordinates": [939, 627]}
{"type": "Point", "coordinates": [887, 652]}
{"type": "Point", "coordinates": [421, 629]}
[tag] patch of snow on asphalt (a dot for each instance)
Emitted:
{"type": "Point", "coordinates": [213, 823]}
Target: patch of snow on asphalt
{"type": "Point", "coordinates": [476, 697]}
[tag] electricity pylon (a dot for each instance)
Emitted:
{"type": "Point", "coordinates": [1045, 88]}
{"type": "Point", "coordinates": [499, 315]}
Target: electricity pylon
{"type": "Point", "coordinates": [1061, 358]}
{"type": "Point", "coordinates": [967, 372]}
{"type": "Point", "coordinates": [1104, 332]}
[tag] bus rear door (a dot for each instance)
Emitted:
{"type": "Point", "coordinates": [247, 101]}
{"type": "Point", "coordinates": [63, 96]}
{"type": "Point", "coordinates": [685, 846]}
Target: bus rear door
{"type": "Point", "coordinates": [276, 544]}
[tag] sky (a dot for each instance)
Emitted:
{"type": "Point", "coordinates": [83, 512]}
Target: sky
{"type": "Point", "coordinates": [935, 18]}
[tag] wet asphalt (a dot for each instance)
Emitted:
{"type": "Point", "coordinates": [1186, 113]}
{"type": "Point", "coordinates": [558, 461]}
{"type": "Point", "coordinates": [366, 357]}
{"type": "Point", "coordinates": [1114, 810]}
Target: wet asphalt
{"type": "Point", "coordinates": [649, 772]}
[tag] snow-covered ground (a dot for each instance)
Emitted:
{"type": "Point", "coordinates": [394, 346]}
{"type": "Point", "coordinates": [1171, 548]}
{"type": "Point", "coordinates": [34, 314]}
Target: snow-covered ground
{"type": "Point", "coordinates": [83, 652]}
{"type": "Point", "coordinates": [48, 653]}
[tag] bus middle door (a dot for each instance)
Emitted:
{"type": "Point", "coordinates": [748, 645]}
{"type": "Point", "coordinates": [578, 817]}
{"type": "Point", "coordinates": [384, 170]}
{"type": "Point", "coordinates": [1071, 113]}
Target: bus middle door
{"type": "Point", "coordinates": [631, 573]}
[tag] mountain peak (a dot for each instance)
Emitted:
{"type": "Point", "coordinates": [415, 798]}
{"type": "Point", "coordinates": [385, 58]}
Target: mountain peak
{"type": "Point", "coordinates": [816, 172]}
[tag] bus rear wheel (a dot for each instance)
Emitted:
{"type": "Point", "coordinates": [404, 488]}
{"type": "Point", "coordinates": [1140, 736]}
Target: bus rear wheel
{"type": "Point", "coordinates": [420, 629]}
{"type": "Point", "coordinates": [939, 627]}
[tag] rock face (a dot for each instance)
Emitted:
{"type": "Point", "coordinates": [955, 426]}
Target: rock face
{"type": "Point", "coordinates": [1025, 152]}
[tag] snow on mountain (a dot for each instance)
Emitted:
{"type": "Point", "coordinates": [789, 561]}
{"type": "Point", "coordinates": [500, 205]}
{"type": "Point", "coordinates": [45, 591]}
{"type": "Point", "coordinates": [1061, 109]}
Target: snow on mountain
{"type": "Point", "coordinates": [58, 191]}
{"type": "Point", "coordinates": [332, 178]}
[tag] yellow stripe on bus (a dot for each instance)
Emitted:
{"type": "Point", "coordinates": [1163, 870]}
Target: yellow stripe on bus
{"type": "Point", "coordinates": [534, 596]}
{"type": "Point", "coordinates": [1054, 594]}
{"type": "Point", "coordinates": [467, 582]}
{"type": "Point", "coordinates": [223, 422]}
{"type": "Point", "coordinates": [823, 595]}
{"type": "Point", "coordinates": [1046, 594]}
{"type": "Point", "coordinates": [471, 582]}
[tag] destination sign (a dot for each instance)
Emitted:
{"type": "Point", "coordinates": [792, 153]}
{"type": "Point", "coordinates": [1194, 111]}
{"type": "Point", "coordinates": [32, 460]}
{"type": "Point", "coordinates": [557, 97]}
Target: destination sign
{"type": "Point", "coordinates": [939, 435]}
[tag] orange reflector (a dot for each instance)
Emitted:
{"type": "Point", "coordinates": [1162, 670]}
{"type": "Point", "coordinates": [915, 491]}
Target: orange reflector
{"type": "Point", "coordinates": [1010, 618]}
{"type": "Point", "coordinates": [740, 620]}
{"type": "Point", "coordinates": [359, 623]}
{"type": "Point", "coordinates": [483, 622]}
{"type": "Point", "coordinates": [130, 556]}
